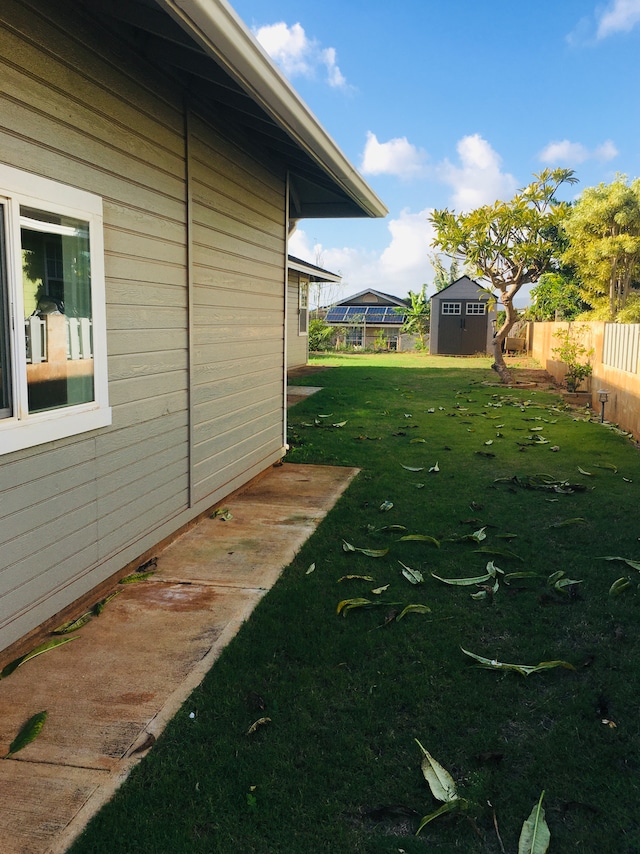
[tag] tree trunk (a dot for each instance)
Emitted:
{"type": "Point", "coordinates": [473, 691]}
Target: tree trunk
{"type": "Point", "coordinates": [499, 364]}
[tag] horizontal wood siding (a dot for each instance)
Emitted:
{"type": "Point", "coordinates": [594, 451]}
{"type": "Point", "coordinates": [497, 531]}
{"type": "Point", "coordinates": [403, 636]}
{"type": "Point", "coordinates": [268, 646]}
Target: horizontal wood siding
{"type": "Point", "coordinates": [75, 110]}
{"type": "Point", "coordinates": [238, 310]}
{"type": "Point", "coordinates": [78, 107]}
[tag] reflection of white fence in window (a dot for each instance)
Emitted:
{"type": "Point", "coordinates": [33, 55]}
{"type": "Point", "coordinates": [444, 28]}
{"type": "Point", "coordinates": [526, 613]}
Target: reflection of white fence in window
{"type": "Point", "coordinates": [79, 343]}
{"type": "Point", "coordinates": [36, 333]}
{"type": "Point", "coordinates": [79, 338]}
{"type": "Point", "coordinates": [621, 348]}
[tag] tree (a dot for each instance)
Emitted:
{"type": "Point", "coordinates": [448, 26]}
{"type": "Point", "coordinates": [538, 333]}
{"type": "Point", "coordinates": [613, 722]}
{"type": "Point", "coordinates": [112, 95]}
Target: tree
{"type": "Point", "coordinates": [510, 244]}
{"type": "Point", "coordinates": [555, 297]}
{"type": "Point", "coordinates": [320, 335]}
{"type": "Point", "coordinates": [604, 233]}
{"type": "Point", "coordinates": [417, 315]}
{"type": "Point", "coordinates": [443, 277]}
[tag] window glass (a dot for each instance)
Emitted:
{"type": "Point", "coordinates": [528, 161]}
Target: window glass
{"type": "Point", "coordinates": [56, 281]}
{"type": "Point", "coordinates": [5, 373]}
{"type": "Point", "coordinates": [476, 308]}
{"type": "Point", "coordinates": [451, 308]}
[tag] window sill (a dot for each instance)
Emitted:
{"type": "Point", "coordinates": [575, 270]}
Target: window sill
{"type": "Point", "coordinates": [48, 426]}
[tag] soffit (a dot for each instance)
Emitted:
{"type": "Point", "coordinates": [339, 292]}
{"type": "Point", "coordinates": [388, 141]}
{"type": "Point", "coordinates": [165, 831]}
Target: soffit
{"type": "Point", "coordinates": [205, 46]}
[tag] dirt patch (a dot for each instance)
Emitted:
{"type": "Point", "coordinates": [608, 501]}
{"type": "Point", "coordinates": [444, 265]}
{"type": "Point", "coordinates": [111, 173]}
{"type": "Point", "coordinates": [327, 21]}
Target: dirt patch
{"type": "Point", "coordinates": [306, 370]}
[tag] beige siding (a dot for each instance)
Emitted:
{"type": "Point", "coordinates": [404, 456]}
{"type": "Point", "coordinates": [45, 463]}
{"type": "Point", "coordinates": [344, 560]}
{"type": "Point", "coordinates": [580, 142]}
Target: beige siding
{"type": "Point", "coordinates": [238, 310]}
{"type": "Point", "coordinates": [77, 510]}
{"type": "Point", "coordinates": [297, 350]}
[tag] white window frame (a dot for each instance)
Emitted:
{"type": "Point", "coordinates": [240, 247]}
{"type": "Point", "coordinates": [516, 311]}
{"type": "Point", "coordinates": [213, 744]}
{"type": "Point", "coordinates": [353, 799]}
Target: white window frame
{"type": "Point", "coordinates": [477, 309]}
{"type": "Point", "coordinates": [451, 309]}
{"type": "Point", "coordinates": [23, 429]}
{"type": "Point", "coordinates": [303, 307]}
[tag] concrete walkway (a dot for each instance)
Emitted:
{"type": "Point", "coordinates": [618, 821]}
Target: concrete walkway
{"type": "Point", "coordinates": [113, 689]}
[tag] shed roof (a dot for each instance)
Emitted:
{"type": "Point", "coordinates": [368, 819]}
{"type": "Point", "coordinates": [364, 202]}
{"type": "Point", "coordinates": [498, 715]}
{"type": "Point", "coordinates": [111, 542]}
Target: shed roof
{"type": "Point", "coordinates": [464, 283]}
{"type": "Point", "coordinates": [206, 45]}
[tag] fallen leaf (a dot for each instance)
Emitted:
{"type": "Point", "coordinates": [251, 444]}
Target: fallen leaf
{"type": "Point", "coordinates": [44, 647]}
{"type": "Point", "coordinates": [257, 724]}
{"type": "Point", "coordinates": [535, 836]}
{"type": "Point", "coordinates": [412, 575]}
{"type": "Point", "coordinates": [423, 538]}
{"type": "Point", "coordinates": [413, 609]}
{"type": "Point", "coordinates": [522, 669]}
{"type": "Point", "coordinates": [311, 569]}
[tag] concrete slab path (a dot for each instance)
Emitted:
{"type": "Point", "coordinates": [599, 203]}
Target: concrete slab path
{"type": "Point", "coordinates": [113, 689]}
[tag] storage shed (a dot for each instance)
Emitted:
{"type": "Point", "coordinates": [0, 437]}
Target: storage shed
{"type": "Point", "coordinates": [462, 319]}
{"type": "Point", "coordinates": [152, 162]}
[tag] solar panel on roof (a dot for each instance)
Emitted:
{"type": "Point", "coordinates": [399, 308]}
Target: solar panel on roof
{"type": "Point", "coordinates": [364, 314]}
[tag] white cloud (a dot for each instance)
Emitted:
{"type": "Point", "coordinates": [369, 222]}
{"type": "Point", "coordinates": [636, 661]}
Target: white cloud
{"type": "Point", "coordinates": [479, 179]}
{"type": "Point", "coordinates": [606, 151]}
{"type": "Point", "coordinates": [401, 266]}
{"type": "Point", "coordinates": [395, 157]}
{"type": "Point", "coordinates": [573, 153]}
{"type": "Point", "coordinates": [298, 55]}
{"type": "Point", "coordinates": [619, 16]}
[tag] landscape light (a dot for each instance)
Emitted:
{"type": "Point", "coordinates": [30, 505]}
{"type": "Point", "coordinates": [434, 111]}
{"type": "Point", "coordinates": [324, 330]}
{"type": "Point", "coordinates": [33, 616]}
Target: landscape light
{"type": "Point", "coordinates": [603, 397]}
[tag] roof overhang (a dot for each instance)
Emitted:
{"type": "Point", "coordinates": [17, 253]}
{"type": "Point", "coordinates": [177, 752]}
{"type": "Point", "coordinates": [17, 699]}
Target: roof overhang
{"type": "Point", "coordinates": [315, 274]}
{"type": "Point", "coordinates": [324, 183]}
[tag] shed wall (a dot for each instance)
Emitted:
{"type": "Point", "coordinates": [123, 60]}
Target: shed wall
{"type": "Point", "coordinates": [80, 108]}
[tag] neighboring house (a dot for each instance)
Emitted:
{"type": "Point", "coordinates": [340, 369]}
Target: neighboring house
{"type": "Point", "coordinates": [369, 318]}
{"type": "Point", "coordinates": [301, 274]}
{"type": "Point", "coordinates": [462, 319]}
{"type": "Point", "coordinates": [152, 161]}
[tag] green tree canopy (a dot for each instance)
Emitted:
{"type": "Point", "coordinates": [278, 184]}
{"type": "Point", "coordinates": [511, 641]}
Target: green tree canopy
{"type": "Point", "coordinates": [509, 244]}
{"type": "Point", "coordinates": [604, 244]}
{"type": "Point", "coordinates": [555, 297]}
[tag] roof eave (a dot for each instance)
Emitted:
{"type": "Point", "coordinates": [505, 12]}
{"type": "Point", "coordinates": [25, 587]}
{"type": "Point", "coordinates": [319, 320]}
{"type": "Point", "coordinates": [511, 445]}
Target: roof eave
{"type": "Point", "coordinates": [218, 30]}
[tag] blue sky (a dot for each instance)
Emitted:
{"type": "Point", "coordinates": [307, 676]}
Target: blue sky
{"type": "Point", "coordinates": [452, 103]}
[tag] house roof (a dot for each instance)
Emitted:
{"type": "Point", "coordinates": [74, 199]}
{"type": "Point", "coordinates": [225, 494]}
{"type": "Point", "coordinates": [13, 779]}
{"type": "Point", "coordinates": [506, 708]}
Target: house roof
{"type": "Point", "coordinates": [210, 50]}
{"type": "Point", "coordinates": [388, 298]}
{"type": "Point", "coordinates": [316, 274]}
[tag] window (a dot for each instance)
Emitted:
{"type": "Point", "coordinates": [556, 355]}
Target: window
{"type": "Point", "coordinates": [354, 337]}
{"type": "Point", "coordinates": [303, 308]}
{"type": "Point", "coordinates": [53, 372]}
{"type": "Point", "coordinates": [451, 308]}
{"type": "Point", "coordinates": [476, 308]}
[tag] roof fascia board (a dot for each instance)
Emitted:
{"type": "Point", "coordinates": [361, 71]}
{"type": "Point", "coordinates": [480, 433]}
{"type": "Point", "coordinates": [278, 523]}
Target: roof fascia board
{"type": "Point", "coordinates": [218, 30]}
{"type": "Point", "coordinates": [318, 274]}
{"type": "Point", "coordinates": [392, 299]}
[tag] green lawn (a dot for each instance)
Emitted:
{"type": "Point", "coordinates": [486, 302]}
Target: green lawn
{"type": "Point", "coordinates": [338, 769]}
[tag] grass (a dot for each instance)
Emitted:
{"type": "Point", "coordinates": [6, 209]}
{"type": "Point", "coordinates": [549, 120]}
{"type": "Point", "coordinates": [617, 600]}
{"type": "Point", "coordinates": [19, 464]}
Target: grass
{"type": "Point", "coordinates": [337, 769]}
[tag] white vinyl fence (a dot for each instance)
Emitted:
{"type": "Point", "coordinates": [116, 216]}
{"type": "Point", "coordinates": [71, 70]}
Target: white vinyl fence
{"type": "Point", "coordinates": [621, 347]}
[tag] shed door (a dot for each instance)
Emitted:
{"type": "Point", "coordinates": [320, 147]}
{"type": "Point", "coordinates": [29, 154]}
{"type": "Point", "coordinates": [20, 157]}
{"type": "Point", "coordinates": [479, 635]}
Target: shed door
{"type": "Point", "coordinates": [463, 328]}
{"type": "Point", "coordinates": [450, 327]}
{"type": "Point", "coordinates": [474, 337]}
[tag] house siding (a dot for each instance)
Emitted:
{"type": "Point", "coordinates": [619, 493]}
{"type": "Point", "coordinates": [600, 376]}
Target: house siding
{"type": "Point", "coordinates": [78, 107]}
{"type": "Point", "coordinates": [297, 352]}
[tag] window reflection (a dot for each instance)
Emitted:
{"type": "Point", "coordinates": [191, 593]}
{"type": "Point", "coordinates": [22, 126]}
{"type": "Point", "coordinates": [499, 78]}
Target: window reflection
{"type": "Point", "coordinates": [56, 276]}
